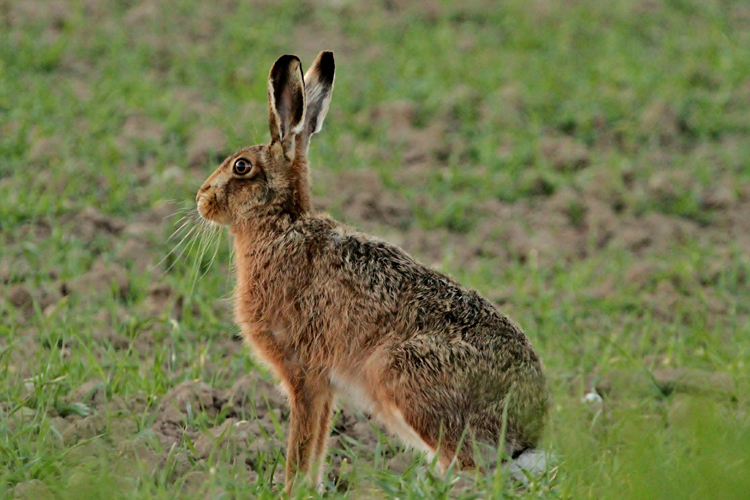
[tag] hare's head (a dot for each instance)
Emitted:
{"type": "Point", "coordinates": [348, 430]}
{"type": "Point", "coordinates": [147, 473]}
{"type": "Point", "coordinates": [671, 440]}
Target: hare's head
{"type": "Point", "coordinates": [272, 179]}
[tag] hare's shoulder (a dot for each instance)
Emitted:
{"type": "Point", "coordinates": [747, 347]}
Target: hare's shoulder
{"type": "Point", "coordinates": [333, 240]}
{"type": "Point", "coordinates": [373, 263]}
{"type": "Point", "coordinates": [356, 258]}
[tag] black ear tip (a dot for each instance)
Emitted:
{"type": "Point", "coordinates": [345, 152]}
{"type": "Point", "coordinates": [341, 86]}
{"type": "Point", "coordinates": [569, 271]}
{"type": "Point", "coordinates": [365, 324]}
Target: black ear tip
{"type": "Point", "coordinates": [326, 65]}
{"type": "Point", "coordinates": [286, 61]}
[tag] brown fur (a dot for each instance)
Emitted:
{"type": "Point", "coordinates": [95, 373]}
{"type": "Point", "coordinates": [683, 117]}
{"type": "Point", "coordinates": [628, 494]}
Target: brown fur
{"type": "Point", "coordinates": [333, 311]}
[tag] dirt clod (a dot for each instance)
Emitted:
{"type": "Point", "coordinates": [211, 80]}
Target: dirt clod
{"type": "Point", "coordinates": [565, 154]}
{"type": "Point", "coordinates": [185, 400]}
{"type": "Point", "coordinates": [92, 393]}
{"type": "Point", "coordinates": [20, 297]}
{"type": "Point", "coordinates": [193, 481]}
{"type": "Point", "coordinates": [206, 146]}
{"type": "Point", "coordinates": [138, 127]}
{"type": "Point", "coordinates": [366, 201]}
{"type": "Point", "coordinates": [103, 278]}
{"type": "Point", "coordinates": [239, 437]}
{"type": "Point", "coordinates": [400, 463]}
{"type": "Point", "coordinates": [32, 490]}
{"type": "Point", "coordinates": [252, 392]}
{"type": "Point", "coordinates": [86, 428]}
{"type": "Point", "coordinates": [159, 300]}
{"type": "Point", "coordinates": [90, 223]}
{"type": "Point", "coordinates": [135, 252]}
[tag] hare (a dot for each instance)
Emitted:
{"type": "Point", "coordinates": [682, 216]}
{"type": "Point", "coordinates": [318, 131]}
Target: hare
{"type": "Point", "coordinates": [333, 312]}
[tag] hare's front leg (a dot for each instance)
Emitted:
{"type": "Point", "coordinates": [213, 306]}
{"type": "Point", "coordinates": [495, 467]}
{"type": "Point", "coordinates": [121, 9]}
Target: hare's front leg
{"type": "Point", "coordinates": [319, 456]}
{"type": "Point", "coordinates": [311, 401]}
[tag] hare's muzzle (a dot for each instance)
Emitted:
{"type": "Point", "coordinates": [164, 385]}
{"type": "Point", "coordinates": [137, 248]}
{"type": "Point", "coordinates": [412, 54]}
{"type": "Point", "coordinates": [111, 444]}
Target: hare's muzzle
{"type": "Point", "coordinates": [201, 193]}
{"type": "Point", "coordinates": [201, 200]}
{"type": "Point", "coordinates": [209, 207]}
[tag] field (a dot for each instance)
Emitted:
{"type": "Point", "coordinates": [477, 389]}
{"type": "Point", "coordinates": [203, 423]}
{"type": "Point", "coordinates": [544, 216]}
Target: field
{"type": "Point", "coordinates": [583, 164]}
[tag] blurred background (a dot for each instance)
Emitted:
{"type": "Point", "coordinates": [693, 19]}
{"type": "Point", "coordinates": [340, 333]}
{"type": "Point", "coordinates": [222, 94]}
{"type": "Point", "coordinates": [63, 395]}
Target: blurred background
{"type": "Point", "coordinates": [585, 165]}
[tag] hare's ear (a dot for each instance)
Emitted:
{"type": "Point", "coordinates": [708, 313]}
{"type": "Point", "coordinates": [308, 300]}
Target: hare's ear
{"type": "Point", "coordinates": [318, 89]}
{"type": "Point", "coordinates": [286, 99]}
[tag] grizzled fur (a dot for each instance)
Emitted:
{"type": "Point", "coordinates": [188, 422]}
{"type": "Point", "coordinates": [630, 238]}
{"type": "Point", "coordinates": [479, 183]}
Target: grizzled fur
{"type": "Point", "coordinates": [335, 312]}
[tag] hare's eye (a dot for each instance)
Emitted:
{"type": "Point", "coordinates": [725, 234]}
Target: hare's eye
{"type": "Point", "coordinates": [241, 167]}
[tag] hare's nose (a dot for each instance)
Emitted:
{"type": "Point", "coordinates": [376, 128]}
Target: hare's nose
{"type": "Point", "coordinates": [202, 191]}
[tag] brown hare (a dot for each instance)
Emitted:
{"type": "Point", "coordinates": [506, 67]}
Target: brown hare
{"type": "Point", "coordinates": [335, 312]}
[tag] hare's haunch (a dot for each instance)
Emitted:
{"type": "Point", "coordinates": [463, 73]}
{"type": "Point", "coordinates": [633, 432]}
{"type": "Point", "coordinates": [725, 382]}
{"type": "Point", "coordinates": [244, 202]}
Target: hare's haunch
{"type": "Point", "coordinates": [335, 312]}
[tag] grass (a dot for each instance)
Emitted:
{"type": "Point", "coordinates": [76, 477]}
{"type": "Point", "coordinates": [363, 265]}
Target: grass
{"type": "Point", "coordinates": [643, 105]}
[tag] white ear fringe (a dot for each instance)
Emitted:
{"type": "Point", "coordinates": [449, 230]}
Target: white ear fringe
{"type": "Point", "coordinates": [322, 112]}
{"type": "Point", "coordinates": [296, 130]}
{"type": "Point", "coordinates": [272, 107]}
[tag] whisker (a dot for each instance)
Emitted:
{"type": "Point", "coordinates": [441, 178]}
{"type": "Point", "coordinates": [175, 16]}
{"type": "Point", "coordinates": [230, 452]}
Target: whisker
{"type": "Point", "coordinates": [216, 241]}
{"type": "Point", "coordinates": [201, 252]}
{"type": "Point", "coordinates": [183, 222]}
{"type": "Point", "coordinates": [197, 260]}
{"type": "Point", "coordinates": [179, 256]}
{"type": "Point", "coordinates": [180, 210]}
{"type": "Point", "coordinates": [230, 266]}
{"type": "Point", "coordinates": [177, 245]}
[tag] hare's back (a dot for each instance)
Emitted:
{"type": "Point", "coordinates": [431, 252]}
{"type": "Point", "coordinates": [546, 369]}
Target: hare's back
{"type": "Point", "coordinates": [421, 300]}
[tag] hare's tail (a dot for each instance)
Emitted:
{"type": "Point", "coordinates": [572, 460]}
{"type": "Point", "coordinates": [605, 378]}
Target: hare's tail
{"type": "Point", "coordinates": [527, 463]}
{"type": "Point", "coordinates": [532, 462]}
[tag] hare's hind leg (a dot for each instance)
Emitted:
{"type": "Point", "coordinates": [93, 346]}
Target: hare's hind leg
{"type": "Point", "coordinates": [410, 425]}
{"type": "Point", "coordinates": [455, 453]}
{"type": "Point", "coordinates": [452, 446]}
{"type": "Point", "coordinates": [427, 415]}
{"type": "Point", "coordinates": [310, 402]}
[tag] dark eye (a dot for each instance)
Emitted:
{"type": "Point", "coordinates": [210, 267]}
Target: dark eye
{"type": "Point", "coordinates": [241, 167]}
